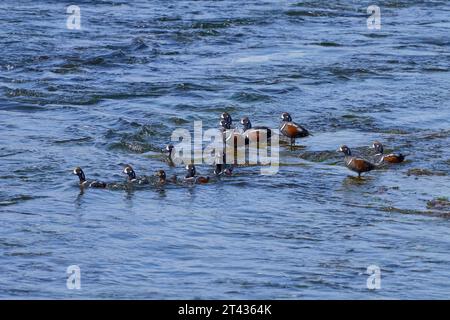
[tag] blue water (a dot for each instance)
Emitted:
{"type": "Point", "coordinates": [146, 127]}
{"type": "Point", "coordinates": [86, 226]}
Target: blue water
{"type": "Point", "coordinates": [113, 92]}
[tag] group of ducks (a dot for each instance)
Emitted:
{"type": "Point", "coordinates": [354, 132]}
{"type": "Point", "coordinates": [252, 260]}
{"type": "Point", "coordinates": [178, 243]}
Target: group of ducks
{"type": "Point", "coordinates": [288, 130]}
{"type": "Point", "coordinates": [360, 165]}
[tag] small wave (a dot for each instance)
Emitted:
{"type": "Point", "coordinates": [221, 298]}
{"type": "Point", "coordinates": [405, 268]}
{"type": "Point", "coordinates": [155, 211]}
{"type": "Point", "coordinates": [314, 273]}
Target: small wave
{"type": "Point", "coordinates": [178, 121]}
{"type": "Point", "coordinates": [8, 201]}
{"type": "Point", "coordinates": [320, 156]}
{"type": "Point", "coordinates": [23, 93]}
{"type": "Point", "coordinates": [134, 147]}
{"type": "Point", "coordinates": [429, 213]}
{"type": "Point", "coordinates": [327, 44]}
{"type": "Point", "coordinates": [222, 24]}
{"type": "Point", "coordinates": [424, 172]}
{"type": "Point", "coordinates": [251, 97]}
{"type": "Point", "coordinates": [76, 140]}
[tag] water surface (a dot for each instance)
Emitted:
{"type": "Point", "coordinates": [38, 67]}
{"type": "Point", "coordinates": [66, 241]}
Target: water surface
{"type": "Point", "coordinates": [113, 92]}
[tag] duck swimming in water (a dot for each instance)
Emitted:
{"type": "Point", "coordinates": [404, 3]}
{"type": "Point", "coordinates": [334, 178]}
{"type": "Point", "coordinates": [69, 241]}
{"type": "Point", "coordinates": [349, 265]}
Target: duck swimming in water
{"type": "Point", "coordinates": [355, 164]}
{"type": "Point", "coordinates": [128, 170]}
{"type": "Point", "coordinates": [388, 158]}
{"type": "Point", "coordinates": [85, 183]}
{"type": "Point", "coordinates": [227, 118]}
{"type": "Point", "coordinates": [161, 174]}
{"type": "Point", "coordinates": [220, 170]}
{"type": "Point", "coordinates": [162, 177]}
{"type": "Point", "coordinates": [290, 129]}
{"type": "Point", "coordinates": [169, 150]}
{"type": "Point", "coordinates": [221, 167]}
{"type": "Point", "coordinates": [190, 176]}
{"type": "Point", "coordinates": [224, 125]}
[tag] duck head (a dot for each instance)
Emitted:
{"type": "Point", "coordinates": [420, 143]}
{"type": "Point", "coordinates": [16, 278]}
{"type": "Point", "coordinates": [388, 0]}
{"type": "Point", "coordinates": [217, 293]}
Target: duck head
{"type": "Point", "coordinates": [190, 168]}
{"type": "Point", "coordinates": [285, 116]}
{"type": "Point", "coordinates": [169, 150]}
{"type": "Point", "coordinates": [345, 150]}
{"type": "Point", "coordinates": [378, 147]}
{"type": "Point", "coordinates": [128, 170]}
{"type": "Point", "coordinates": [161, 174]}
{"type": "Point", "coordinates": [246, 123]}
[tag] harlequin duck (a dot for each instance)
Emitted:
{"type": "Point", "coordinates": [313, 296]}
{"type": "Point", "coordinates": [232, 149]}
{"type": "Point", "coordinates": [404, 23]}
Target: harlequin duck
{"type": "Point", "coordinates": [253, 133]}
{"type": "Point", "coordinates": [221, 167]}
{"type": "Point", "coordinates": [221, 170]}
{"type": "Point", "coordinates": [227, 118]}
{"type": "Point", "coordinates": [169, 153]}
{"type": "Point", "coordinates": [85, 183]}
{"type": "Point", "coordinates": [161, 174]}
{"type": "Point", "coordinates": [231, 136]}
{"type": "Point", "coordinates": [291, 129]}
{"type": "Point", "coordinates": [128, 170]}
{"type": "Point", "coordinates": [224, 125]}
{"type": "Point", "coordinates": [190, 176]}
{"type": "Point", "coordinates": [356, 164]}
{"type": "Point", "coordinates": [388, 158]}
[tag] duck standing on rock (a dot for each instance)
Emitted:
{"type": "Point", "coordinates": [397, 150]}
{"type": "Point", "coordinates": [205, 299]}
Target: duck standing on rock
{"type": "Point", "coordinates": [290, 129]}
{"type": "Point", "coordinates": [232, 138]}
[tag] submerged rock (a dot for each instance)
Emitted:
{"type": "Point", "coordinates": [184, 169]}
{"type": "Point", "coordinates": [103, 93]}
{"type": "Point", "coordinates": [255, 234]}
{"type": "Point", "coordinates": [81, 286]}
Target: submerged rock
{"type": "Point", "coordinates": [442, 204]}
{"type": "Point", "coordinates": [424, 172]}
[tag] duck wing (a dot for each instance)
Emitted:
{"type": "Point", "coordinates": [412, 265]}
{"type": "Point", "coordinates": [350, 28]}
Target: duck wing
{"type": "Point", "coordinates": [359, 165]}
{"type": "Point", "coordinates": [293, 130]}
{"type": "Point", "coordinates": [393, 158]}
